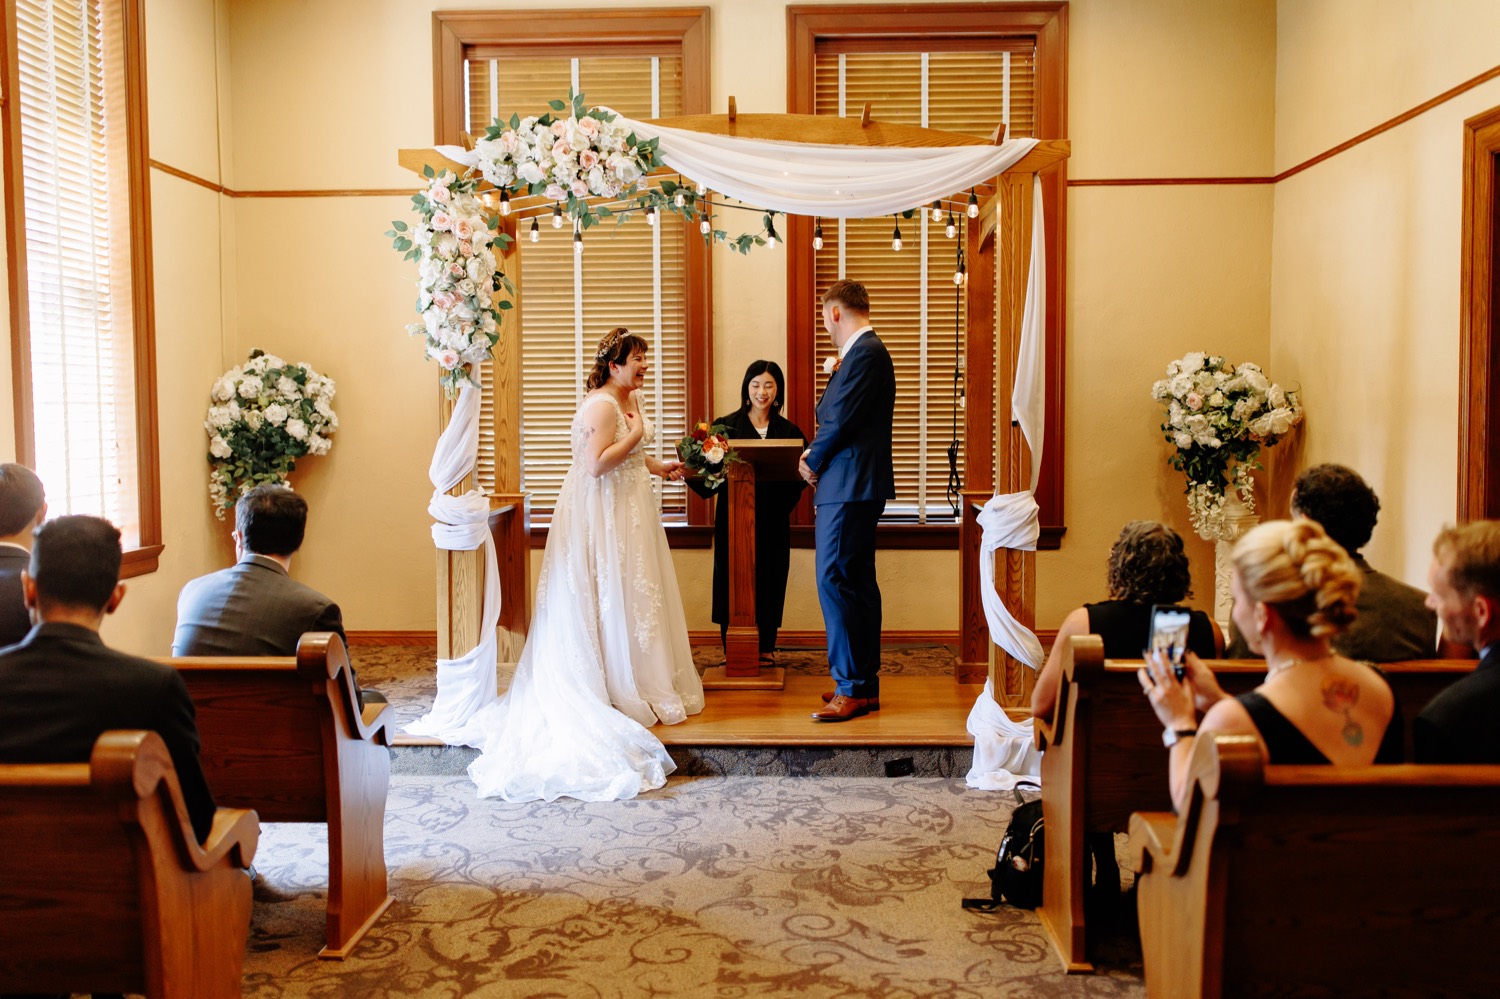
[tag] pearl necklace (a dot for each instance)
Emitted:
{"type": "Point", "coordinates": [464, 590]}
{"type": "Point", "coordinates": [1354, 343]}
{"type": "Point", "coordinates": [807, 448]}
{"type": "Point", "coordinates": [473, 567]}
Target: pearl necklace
{"type": "Point", "coordinates": [1275, 670]}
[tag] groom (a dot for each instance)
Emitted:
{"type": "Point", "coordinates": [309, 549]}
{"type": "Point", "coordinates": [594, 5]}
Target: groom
{"type": "Point", "coordinates": [849, 463]}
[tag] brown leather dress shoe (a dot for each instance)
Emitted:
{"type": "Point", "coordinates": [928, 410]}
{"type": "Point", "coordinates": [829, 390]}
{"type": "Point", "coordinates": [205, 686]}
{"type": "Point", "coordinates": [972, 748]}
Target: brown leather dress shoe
{"type": "Point", "coordinates": [842, 708]}
{"type": "Point", "coordinates": [874, 702]}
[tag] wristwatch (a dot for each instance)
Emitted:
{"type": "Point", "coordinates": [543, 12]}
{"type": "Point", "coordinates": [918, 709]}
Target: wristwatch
{"type": "Point", "coordinates": [1170, 737]}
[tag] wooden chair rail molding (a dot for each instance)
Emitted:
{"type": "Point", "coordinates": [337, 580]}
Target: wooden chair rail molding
{"type": "Point", "coordinates": [1279, 880]}
{"type": "Point", "coordinates": [1103, 759]}
{"type": "Point", "coordinates": [106, 888]}
{"type": "Point", "coordinates": [290, 738]}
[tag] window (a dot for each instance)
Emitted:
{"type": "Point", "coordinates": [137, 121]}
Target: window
{"type": "Point", "coordinates": [81, 284]}
{"type": "Point", "coordinates": [964, 68]}
{"type": "Point", "coordinates": [651, 279]}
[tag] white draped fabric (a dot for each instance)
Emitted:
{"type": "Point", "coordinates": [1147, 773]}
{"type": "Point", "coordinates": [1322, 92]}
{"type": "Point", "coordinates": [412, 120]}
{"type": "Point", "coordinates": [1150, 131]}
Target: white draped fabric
{"type": "Point", "coordinates": [1003, 749]}
{"type": "Point", "coordinates": [467, 683]}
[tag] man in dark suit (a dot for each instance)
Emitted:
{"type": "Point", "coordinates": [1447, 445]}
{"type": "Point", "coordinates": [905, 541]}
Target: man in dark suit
{"type": "Point", "coordinates": [849, 464]}
{"type": "Point", "coordinates": [22, 507]}
{"type": "Point", "coordinates": [1462, 724]}
{"type": "Point", "coordinates": [63, 687]}
{"type": "Point", "coordinates": [255, 607]}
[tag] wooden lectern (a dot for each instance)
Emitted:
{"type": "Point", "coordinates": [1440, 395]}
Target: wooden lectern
{"type": "Point", "coordinates": [771, 461]}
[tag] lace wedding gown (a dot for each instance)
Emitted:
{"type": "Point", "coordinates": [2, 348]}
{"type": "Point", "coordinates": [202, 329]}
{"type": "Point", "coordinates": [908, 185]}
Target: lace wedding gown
{"type": "Point", "coordinates": [607, 653]}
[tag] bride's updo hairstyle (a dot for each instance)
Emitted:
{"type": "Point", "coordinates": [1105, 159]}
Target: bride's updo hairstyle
{"type": "Point", "coordinates": [616, 347]}
{"type": "Point", "coordinates": [1294, 566]}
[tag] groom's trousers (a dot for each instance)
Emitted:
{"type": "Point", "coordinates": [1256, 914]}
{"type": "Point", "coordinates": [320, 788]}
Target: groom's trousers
{"type": "Point", "coordinates": [849, 593]}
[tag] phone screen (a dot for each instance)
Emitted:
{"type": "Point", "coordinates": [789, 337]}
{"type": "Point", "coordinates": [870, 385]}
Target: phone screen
{"type": "Point", "coordinates": [1169, 633]}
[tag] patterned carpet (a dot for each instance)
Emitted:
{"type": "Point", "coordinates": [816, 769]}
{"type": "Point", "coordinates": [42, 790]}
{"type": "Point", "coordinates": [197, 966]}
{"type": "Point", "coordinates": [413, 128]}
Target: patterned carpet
{"type": "Point", "coordinates": [723, 886]}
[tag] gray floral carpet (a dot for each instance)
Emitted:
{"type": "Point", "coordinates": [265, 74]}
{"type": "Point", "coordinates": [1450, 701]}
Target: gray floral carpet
{"type": "Point", "coordinates": [718, 886]}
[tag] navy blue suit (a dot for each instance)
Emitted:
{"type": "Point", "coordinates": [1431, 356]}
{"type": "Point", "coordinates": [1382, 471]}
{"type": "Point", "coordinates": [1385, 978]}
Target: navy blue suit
{"type": "Point", "coordinates": [851, 455]}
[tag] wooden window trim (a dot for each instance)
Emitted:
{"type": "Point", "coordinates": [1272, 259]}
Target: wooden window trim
{"type": "Point", "coordinates": [144, 558]}
{"type": "Point", "coordinates": [1478, 472]}
{"type": "Point", "coordinates": [854, 26]}
{"type": "Point", "coordinates": [685, 29]}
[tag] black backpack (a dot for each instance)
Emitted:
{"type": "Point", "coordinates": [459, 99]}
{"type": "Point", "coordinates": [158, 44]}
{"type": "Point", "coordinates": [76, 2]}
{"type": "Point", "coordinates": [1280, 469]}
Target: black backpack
{"type": "Point", "coordinates": [1017, 875]}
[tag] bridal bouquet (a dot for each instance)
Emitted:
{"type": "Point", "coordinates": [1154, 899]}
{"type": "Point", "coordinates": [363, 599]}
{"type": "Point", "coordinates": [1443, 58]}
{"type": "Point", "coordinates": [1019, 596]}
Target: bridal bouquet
{"type": "Point", "coordinates": [264, 415]}
{"type": "Point", "coordinates": [1218, 416]}
{"type": "Point", "coordinates": [706, 452]}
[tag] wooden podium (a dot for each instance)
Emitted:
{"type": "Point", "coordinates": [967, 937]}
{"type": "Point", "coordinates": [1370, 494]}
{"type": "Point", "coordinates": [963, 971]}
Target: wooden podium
{"type": "Point", "coordinates": [762, 460]}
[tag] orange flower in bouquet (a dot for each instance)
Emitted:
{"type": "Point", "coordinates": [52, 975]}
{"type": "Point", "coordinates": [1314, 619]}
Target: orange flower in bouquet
{"type": "Point", "coordinates": [706, 452]}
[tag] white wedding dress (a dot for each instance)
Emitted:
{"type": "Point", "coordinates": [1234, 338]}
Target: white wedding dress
{"type": "Point", "coordinates": [607, 654]}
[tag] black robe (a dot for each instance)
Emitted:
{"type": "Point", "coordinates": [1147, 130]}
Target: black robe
{"type": "Point", "coordinates": [774, 502]}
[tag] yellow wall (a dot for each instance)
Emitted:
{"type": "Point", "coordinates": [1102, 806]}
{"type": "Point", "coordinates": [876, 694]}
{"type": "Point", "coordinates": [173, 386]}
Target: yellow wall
{"type": "Point", "coordinates": [1365, 275]}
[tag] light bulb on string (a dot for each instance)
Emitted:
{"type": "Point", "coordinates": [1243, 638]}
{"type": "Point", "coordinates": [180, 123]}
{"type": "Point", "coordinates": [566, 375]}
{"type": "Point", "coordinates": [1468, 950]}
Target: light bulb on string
{"type": "Point", "coordinates": [486, 199]}
{"type": "Point", "coordinates": [505, 202]}
{"type": "Point", "coordinates": [557, 216]}
{"type": "Point", "coordinates": [771, 236]}
{"type": "Point", "coordinates": [937, 211]}
{"type": "Point", "coordinates": [536, 231]}
{"type": "Point", "coordinates": [702, 190]}
{"type": "Point", "coordinates": [952, 228]}
{"type": "Point", "coordinates": [679, 199]}
{"type": "Point", "coordinates": [896, 236]}
{"type": "Point", "coordinates": [651, 215]}
{"type": "Point", "coordinates": [973, 204]}
{"type": "Point", "coordinates": [818, 235]}
{"type": "Point", "coordinates": [703, 225]}
{"type": "Point", "coordinates": [577, 240]}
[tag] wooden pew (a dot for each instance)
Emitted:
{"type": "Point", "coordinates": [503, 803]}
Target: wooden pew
{"type": "Point", "coordinates": [1315, 880]}
{"type": "Point", "coordinates": [103, 886]}
{"type": "Point", "coordinates": [1103, 759]}
{"type": "Point", "coordinates": [288, 738]}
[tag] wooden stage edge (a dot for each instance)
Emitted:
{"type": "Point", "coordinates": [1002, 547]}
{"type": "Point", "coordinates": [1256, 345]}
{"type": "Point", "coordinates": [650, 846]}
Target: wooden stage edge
{"type": "Point", "coordinates": [914, 711]}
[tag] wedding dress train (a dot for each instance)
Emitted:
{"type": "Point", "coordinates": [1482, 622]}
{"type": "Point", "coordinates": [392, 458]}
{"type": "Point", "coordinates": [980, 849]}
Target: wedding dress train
{"type": "Point", "coordinates": [607, 654]}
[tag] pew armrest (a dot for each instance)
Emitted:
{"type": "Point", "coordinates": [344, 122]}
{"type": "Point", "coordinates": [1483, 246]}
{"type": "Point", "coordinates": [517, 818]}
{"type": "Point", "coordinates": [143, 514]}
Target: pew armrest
{"type": "Point", "coordinates": [1153, 837]}
{"type": "Point", "coordinates": [321, 654]}
{"type": "Point", "coordinates": [235, 834]}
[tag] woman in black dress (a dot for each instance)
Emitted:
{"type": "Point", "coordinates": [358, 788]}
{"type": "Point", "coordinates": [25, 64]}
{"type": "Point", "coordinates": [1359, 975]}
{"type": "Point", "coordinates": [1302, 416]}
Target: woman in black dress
{"type": "Point", "coordinates": [759, 417]}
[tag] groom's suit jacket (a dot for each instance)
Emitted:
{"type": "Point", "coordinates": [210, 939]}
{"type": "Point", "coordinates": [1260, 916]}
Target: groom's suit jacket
{"type": "Point", "coordinates": [253, 608]}
{"type": "Point", "coordinates": [851, 452]}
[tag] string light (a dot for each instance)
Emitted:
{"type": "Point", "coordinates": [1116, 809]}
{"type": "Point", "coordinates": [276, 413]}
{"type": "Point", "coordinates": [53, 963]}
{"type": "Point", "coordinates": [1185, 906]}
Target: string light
{"type": "Point", "coordinates": [937, 211]}
{"type": "Point", "coordinates": [702, 190]}
{"type": "Point", "coordinates": [651, 215]}
{"type": "Point", "coordinates": [536, 231]}
{"type": "Point", "coordinates": [557, 216]}
{"type": "Point", "coordinates": [505, 202]}
{"type": "Point", "coordinates": [679, 199]}
{"type": "Point", "coordinates": [818, 235]}
{"type": "Point", "coordinates": [577, 240]}
{"type": "Point", "coordinates": [896, 235]}
{"type": "Point", "coordinates": [962, 274]}
{"type": "Point", "coordinates": [771, 236]}
{"type": "Point", "coordinates": [703, 225]}
{"type": "Point", "coordinates": [973, 204]}
{"type": "Point", "coordinates": [952, 229]}
{"type": "Point", "coordinates": [486, 199]}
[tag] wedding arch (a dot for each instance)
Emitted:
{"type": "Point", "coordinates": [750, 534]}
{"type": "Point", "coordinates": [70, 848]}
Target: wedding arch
{"type": "Point", "coordinates": [824, 166]}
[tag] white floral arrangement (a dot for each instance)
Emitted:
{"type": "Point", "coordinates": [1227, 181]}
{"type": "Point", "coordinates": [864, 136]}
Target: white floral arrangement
{"type": "Point", "coordinates": [589, 153]}
{"type": "Point", "coordinates": [1218, 417]}
{"type": "Point", "coordinates": [264, 415]}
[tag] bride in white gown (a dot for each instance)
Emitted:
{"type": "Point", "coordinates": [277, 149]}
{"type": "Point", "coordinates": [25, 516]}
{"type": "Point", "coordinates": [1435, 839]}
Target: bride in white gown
{"type": "Point", "coordinates": [607, 654]}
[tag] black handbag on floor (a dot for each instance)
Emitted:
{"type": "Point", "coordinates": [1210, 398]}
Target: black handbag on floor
{"type": "Point", "coordinates": [1017, 875]}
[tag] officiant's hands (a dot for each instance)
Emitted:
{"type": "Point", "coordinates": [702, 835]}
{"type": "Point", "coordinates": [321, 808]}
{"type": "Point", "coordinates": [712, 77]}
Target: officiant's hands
{"type": "Point", "coordinates": [807, 473]}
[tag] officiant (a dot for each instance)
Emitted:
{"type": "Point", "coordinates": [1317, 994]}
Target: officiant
{"type": "Point", "coordinates": [759, 417]}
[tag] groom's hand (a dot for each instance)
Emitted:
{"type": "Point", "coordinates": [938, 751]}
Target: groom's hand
{"type": "Point", "coordinates": [807, 473]}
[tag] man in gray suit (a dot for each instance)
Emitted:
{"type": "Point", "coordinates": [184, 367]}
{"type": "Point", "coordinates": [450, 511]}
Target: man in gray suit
{"type": "Point", "coordinates": [255, 607]}
{"type": "Point", "coordinates": [22, 507]}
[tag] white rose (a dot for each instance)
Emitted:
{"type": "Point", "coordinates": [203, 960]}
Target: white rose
{"type": "Point", "coordinates": [1216, 400]}
{"type": "Point", "coordinates": [254, 420]}
{"type": "Point", "coordinates": [219, 447]}
{"type": "Point", "coordinates": [1183, 441]}
{"type": "Point", "coordinates": [223, 389]}
{"type": "Point", "coordinates": [287, 386]}
{"type": "Point", "coordinates": [276, 414]}
{"type": "Point", "coordinates": [1193, 362]}
{"type": "Point", "coordinates": [319, 445]}
{"type": "Point", "coordinates": [530, 172]}
{"type": "Point", "coordinates": [323, 409]}
{"type": "Point", "coordinates": [250, 387]}
{"type": "Point", "coordinates": [714, 455]}
{"type": "Point", "coordinates": [297, 428]}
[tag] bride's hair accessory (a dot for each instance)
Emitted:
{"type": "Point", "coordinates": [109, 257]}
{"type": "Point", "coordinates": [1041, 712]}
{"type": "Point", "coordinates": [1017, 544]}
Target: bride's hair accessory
{"type": "Point", "coordinates": [610, 344]}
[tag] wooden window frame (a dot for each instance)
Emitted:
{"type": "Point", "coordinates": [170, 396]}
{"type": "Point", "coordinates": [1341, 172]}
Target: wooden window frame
{"type": "Point", "coordinates": [1479, 361]}
{"type": "Point", "coordinates": [146, 556]}
{"type": "Point", "coordinates": [1046, 24]}
{"type": "Point", "coordinates": [578, 32]}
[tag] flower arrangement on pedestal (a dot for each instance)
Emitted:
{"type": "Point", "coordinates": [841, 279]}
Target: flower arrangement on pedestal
{"type": "Point", "coordinates": [1218, 416]}
{"type": "Point", "coordinates": [264, 415]}
{"type": "Point", "coordinates": [706, 451]}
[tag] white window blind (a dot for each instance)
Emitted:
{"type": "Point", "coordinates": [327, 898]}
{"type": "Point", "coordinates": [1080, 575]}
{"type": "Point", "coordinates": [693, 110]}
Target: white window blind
{"type": "Point", "coordinates": [75, 186]}
{"type": "Point", "coordinates": [633, 275]}
{"type": "Point", "coordinates": [912, 295]}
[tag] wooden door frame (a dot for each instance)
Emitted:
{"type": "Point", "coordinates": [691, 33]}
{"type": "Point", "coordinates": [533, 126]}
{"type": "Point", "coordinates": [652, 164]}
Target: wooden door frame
{"type": "Point", "coordinates": [1478, 492]}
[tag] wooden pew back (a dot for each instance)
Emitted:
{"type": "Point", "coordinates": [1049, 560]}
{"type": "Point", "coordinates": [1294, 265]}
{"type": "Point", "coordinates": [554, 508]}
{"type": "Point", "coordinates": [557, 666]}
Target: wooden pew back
{"type": "Point", "coordinates": [1320, 880]}
{"type": "Point", "coordinates": [103, 886]}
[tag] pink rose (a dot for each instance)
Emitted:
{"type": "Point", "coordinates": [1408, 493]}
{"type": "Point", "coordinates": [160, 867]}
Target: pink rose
{"type": "Point", "coordinates": [444, 300]}
{"type": "Point", "coordinates": [559, 127]}
{"type": "Point", "coordinates": [555, 192]}
{"type": "Point", "coordinates": [1194, 401]}
{"type": "Point", "coordinates": [466, 249]}
{"type": "Point", "coordinates": [448, 359]}
{"type": "Point", "coordinates": [441, 194]}
{"type": "Point", "coordinates": [456, 269]}
{"type": "Point", "coordinates": [509, 141]}
{"type": "Point", "coordinates": [580, 188]}
{"type": "Point", "coordinates": [588, 159]}
{"type": "Point", "coordinates": [561, 150]}
{"type": "Point", "coordinates": [588, 126]}
{"type": "Point", "coordinates": [442, 221]}
{"type": "Point", "coordinates": [463, 228]}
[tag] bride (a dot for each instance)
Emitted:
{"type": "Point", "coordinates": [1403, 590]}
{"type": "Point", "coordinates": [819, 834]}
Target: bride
{"type": "Point", "coordinates": [607, 654]}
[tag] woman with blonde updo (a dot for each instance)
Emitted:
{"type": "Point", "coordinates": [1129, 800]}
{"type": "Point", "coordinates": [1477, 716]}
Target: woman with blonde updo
{"type": "Point", "coordinates": [1294, 590]}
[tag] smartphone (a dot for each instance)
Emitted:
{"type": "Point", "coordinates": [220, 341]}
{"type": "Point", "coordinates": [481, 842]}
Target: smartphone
{"type": "Point", "coordinates": [1169, 634]}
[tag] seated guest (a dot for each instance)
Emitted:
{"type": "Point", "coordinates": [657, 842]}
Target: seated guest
{"type": "Point", "coordinates": [22, 508]}
{"type": "Point", "coordinates": [1394, 622]}
{"type": "Point", "coordinates": [1147, 566]}
{"type": "Point", "coordinates": [255, 607]}
{"type": "Point", "coordinates": [64, 687]}
{"type": "Point", "coordinates": [758, 418]}
{"type": "Point", "coordinates": [1462, 724]}
{"type": "Point", "coordinates": [1294, 592]}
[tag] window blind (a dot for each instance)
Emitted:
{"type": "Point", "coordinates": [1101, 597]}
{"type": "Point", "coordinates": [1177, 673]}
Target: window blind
{"type": "Point", "coordinates": [75, 189]}
{"type": "Point", "coordinates": [968, 89]}
{"type": "Point", "coordinates": [634, 275]}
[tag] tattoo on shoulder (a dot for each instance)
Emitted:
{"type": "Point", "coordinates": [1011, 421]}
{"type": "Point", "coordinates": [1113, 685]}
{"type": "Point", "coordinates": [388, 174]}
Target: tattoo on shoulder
{"type": "Point", "coordinates": [1340, 696]}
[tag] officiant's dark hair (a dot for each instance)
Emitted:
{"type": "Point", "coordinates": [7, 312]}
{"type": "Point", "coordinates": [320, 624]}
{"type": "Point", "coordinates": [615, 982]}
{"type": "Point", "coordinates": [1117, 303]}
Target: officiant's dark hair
{"type": "Point", "coordinates": [271, 520]}
{"type": "Point", "coordinates": [615, 347]}
{"type": "Point", "coordinates": [756, 369]}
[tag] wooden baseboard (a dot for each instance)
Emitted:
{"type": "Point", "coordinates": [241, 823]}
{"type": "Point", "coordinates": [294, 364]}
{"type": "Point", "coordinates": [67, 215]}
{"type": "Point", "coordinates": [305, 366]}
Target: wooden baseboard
{"type": "Point", "coordinates": [391, 638]}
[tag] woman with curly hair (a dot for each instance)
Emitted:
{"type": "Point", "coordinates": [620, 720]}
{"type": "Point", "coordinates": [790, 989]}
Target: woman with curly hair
{"type": "Point", "coordinates": [1294, 592]}
{"type": "Point", "coordinates": [1147, 566]}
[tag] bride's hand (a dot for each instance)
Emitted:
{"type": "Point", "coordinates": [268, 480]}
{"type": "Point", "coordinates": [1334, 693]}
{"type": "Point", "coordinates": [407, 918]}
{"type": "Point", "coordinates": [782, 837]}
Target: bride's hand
{"type": "Point", "coordinates": [634, 428]}
{"type": "Point", "coordinates": [671, 470]}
